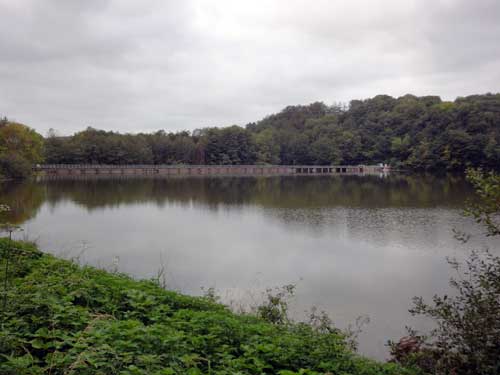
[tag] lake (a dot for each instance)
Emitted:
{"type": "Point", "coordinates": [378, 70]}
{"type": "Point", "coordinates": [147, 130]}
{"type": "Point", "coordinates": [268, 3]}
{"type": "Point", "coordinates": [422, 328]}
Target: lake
{"type": "Point", "coordinates": [354, 245]}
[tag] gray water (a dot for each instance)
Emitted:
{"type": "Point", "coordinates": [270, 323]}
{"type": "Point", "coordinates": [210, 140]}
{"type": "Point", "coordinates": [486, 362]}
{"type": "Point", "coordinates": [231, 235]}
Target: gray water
{"type": "Point", "coordinates": [354, 245]}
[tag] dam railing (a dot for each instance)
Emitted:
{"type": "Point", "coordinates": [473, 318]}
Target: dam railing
{"type": "Point", "coordinates": [204, 170]}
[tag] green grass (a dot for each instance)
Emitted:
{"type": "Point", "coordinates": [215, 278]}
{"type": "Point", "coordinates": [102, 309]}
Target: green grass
{"type": "Point", "coordinates": [62, 318]}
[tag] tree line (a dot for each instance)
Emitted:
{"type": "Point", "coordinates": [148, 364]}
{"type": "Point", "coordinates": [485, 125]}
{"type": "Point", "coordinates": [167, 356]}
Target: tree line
{"type": "Point", "coordinates": [410, 132]}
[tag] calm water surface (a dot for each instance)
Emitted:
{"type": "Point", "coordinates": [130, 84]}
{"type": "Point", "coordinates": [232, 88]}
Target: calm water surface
{"type": "Point", "coordinates": [355, 245]}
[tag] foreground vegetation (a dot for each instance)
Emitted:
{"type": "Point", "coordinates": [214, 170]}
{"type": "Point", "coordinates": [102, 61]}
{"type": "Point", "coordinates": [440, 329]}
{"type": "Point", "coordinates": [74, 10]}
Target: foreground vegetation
{"type": "Point", "coordinates": [466, 337]}
{"type": "Point", "coordinates": [61, 318]}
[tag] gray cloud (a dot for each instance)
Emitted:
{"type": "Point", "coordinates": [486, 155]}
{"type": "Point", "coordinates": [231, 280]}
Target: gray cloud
{"type": "Point", "coordinates": [141, 66]}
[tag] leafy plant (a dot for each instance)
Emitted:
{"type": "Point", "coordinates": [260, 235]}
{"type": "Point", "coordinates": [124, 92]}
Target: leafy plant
{"type": "Point", "coordinates": [487, 210]}
{"type": "Point", "coordinates": [275, 309]}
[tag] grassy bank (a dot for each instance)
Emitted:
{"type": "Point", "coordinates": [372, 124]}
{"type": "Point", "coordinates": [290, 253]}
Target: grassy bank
{"type": "Point", "coordinates": [61, 318]}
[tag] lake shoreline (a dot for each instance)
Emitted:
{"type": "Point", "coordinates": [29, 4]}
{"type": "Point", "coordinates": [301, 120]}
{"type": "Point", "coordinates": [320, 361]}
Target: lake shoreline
{"type": "Point", "coordinates": [74, 317]}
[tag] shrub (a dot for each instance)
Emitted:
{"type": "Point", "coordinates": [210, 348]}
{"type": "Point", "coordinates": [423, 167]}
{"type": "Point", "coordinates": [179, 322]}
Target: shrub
{"type": "Point", "coordinates": [466, 339]}
{"type": "Point", "coordinates": [15, 166]}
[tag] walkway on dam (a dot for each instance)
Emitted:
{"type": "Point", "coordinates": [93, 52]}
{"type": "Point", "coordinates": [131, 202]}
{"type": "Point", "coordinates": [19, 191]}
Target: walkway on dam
{"type": "Point", "coordinates": [205, 170]}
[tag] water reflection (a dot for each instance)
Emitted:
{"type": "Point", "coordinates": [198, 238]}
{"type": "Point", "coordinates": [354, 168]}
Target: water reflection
{"type": "Point", "coordinates": [276, 192]}
{"type": "Point", "coordinates": [359, 244]}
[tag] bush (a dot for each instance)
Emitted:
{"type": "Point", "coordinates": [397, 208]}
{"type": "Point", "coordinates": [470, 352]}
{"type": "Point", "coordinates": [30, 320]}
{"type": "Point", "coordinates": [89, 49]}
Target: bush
{"type": "Point", "coordinates": [15, 166]}
{"type": "Point", "coordinates": [466, 339]}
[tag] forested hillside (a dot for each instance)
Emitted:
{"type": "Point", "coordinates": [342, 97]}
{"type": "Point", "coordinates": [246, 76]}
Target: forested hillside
{"type": "Point", "coordinates": [420, 133]}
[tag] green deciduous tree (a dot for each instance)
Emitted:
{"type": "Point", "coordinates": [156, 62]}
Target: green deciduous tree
{"type": "Point", "coordinates": [20, 148]}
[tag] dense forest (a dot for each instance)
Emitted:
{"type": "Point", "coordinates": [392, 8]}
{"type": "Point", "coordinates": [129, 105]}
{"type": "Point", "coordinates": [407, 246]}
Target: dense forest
{"type": "Point", "coordinates": [410, 132]}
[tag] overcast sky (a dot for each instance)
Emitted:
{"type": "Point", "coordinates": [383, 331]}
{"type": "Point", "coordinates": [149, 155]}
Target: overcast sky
{"type": "Point", "coordinates": [148, 65]}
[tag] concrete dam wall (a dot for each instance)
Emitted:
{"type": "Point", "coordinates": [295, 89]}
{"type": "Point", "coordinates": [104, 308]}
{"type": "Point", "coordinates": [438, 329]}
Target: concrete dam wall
{"type": "Point", "coordinates": [203, 170]}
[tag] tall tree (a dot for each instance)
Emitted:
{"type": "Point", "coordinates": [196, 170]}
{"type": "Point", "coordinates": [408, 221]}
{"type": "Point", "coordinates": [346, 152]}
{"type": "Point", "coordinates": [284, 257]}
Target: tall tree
{"type": "Point", "coordinates": [20, 148]}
